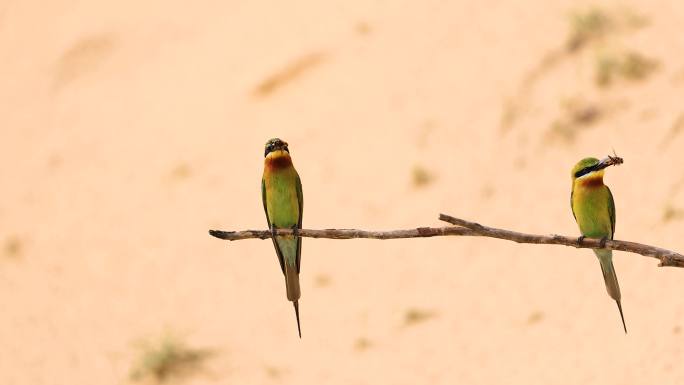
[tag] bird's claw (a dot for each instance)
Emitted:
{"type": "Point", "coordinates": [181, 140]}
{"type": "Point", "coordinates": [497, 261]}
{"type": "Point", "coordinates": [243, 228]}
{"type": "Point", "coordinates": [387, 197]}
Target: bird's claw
{"type": "Point", "coordinates": [580, 240]}
{"type": "Point", "coordinates": [603, 242]}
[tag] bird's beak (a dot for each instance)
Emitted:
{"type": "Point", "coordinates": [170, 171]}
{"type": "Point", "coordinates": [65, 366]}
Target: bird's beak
{"type": "Point", "coordinates": [609, 161]}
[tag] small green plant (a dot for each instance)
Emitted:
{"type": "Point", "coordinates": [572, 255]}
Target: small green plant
{"type": "Point", "coordinates": [13, 247]}
{"type": "Point", "coordinates": [421, 177]}
{"type": "Point", "coordinates": [629, 65]}
{"type": "Point", "coordinates": [166, 358]}
{"type": "Point", "coordinates": [362, 343]}
{"type": "Point", "coordinates": [636, 66]}
{"type": "Point", "coordinates": [587, 26]}
{"type": "Point", "coordinates": [672, 213]}
{"type": "Point", "coordinates": [596, 24]}
{"type": "Point", "coordinates": [415, 316]}
{"type": "Point", "coordinates": [535, 317]}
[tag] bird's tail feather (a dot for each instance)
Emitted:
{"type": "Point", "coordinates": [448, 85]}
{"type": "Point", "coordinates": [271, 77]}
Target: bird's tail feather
{"type": "Point", "coordinates": [619, 305]}
{"type": "Point", "coordinates": [293, 291]}
{"type": "Point", "coordinates": [612, 286]}
{"type": "Point", "coordinates": [296, 307]}
{"type": "Point", "coordinates": [292, 283]}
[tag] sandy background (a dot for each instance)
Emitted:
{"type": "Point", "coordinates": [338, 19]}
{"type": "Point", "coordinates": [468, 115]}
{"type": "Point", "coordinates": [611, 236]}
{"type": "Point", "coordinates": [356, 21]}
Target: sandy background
{"type": "Point", "coordinates": [128, 129]}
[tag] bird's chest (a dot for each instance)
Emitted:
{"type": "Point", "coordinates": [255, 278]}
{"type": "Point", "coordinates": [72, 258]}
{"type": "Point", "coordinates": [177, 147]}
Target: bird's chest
{"type": "Point", "coordinates": [281, 199]}
{"type": "Point", "coordinates": [590, 206]}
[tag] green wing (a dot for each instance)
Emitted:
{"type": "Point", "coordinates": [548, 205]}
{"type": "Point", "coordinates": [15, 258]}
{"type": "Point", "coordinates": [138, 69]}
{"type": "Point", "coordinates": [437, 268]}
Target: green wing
{"type": "Point", "coordinates": [572, 192]}
{"type": "Point", "coordinates": [300, 200]}
{"type": "Point", "coordinates": [275, 244]}
{"type": "Point", "coordinates": [611, 212]}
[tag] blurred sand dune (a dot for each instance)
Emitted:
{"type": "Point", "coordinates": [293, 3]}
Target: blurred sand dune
{"type": "Point", "coordinates": [129, 129]}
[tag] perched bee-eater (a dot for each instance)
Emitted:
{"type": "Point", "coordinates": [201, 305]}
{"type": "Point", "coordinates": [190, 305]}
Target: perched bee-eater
{"type": "Point", "coordinates": [281, 193]}
{"type": "Point", "coordinates": [594, 210]}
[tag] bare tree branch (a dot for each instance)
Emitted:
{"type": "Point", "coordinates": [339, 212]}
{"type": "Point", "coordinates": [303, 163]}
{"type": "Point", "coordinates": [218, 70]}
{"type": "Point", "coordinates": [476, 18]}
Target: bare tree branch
{"type": "Point", "coordinates": [420, 232]}
{"type": "Point", "coordinates": [465, 228]}
{"type": "Point", "coordinates": [666, 257]}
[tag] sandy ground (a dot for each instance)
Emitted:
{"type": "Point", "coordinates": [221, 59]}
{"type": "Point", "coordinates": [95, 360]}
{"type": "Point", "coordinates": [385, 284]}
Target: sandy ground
{"type": "Point", "coordinates": [128, 130]}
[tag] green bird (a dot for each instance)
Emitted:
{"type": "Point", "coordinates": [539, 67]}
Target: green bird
{"type": "Point", "coordinates": [281, 193]}
{"type": "Point", "coordinates": [594, 210]}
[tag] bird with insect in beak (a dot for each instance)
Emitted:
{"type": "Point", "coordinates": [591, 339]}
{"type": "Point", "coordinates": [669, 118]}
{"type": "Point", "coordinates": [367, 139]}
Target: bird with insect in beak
{"type": "Point", "coordinates": [281, 193]}
{"type": "Point", "coordinates": [594, 211]}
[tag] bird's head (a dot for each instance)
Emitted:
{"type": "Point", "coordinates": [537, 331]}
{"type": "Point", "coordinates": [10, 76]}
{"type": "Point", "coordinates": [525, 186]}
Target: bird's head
{"type": "Point", "coordinates": [592, 168]}
{"type": "Point", "coordinates": [276, 147]}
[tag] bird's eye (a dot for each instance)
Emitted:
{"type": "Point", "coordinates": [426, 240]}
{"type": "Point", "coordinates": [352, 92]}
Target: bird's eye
{"type": "Point", "coordinates": [584, 171]}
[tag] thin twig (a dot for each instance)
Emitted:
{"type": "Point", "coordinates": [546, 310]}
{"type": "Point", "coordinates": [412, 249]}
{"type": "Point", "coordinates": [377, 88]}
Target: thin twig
{"type": "Point", "coordinates": [465, 228]}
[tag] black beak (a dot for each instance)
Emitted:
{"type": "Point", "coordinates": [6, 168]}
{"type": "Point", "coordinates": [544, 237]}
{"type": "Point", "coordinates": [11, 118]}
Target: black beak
{"type": "Point", "coordinates": [609, 161]}
{"type": "Point", "coordinates": [275, 147]}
